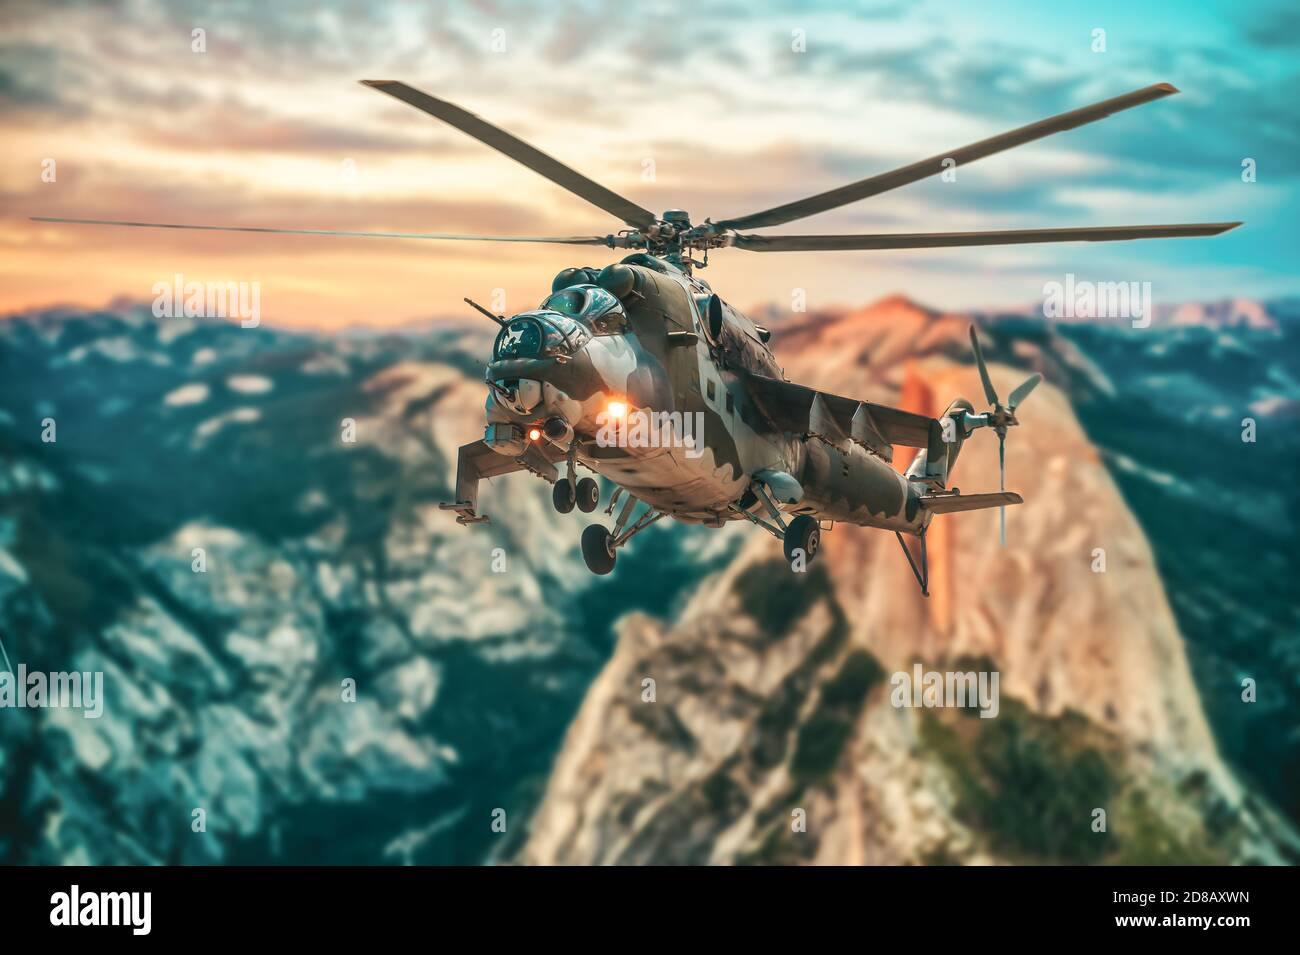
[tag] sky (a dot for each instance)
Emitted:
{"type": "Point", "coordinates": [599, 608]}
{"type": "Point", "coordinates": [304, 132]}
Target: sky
{"type": "Point", "coordinates": [711, 107]}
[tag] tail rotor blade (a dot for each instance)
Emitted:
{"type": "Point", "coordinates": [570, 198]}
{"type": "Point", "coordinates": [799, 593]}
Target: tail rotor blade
{"type": "Point", "coordinates": [1023, 390]}
{"type": "Point", "coordinates": [1002, 486]}
{"type": "Point", "coordinates": [989, 392]}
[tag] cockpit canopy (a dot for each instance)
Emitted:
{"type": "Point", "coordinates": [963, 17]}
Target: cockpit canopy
{"type": "Point", "coordinates": [597, 309]}
{"type": "Point", "coordinates": [539, 334]}
{"type": "Point", "coordinates": [564, 323]}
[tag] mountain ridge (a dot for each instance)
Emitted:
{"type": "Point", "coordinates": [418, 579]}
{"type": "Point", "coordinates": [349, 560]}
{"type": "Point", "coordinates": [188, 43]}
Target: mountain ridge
{"type": "Point", "coordinates": [330, 560]}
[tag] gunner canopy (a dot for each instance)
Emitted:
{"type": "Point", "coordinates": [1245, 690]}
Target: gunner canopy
{"type": "Point", "coordinates": [539, 334]}
{"type": "Point", "coordinates": [564, 323]}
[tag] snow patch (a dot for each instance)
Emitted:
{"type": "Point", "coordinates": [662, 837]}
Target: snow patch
{"type": "Point", "coordinates": [249, 384]}
{"type": "Point", "coordinates": [191, 394]}
{"type": "Point", "coordinates": [238, 416]}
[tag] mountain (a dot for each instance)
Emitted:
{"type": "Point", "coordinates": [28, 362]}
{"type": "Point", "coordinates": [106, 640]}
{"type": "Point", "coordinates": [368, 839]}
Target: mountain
{"type": "Point", "coordinates": [1222, 314]}
{"type": "Point", "coordinates": [1168, 408]}
{"type": "Point", "coordinates": [328, 561]}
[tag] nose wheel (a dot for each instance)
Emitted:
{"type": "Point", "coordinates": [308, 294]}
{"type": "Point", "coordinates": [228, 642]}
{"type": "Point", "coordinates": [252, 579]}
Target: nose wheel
{"type": "Point", "coordinates": [563, 496]}
{"type": "Point", "coordinates": [587, 494]}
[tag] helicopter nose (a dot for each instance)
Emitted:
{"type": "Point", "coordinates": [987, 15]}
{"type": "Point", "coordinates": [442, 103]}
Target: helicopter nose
{"type": "Point", "coordinates": [558, 431]}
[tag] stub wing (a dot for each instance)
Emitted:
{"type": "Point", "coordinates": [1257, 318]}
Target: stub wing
{"type": "Point", "coordinates": [951, 503]}
{"type": "Point", "coordinates": [476, 461]}
{"type": "Point", "coordinates": [798, 408]}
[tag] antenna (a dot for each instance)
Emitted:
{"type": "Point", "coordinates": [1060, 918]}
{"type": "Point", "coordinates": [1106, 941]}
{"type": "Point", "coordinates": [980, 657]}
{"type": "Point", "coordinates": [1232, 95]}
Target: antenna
{"type": "Point", "coordinates": [499, 319]}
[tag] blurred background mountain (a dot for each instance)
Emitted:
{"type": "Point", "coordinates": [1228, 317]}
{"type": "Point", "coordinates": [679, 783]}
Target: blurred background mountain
{"type": "Point", "coordinates": [521, 690]}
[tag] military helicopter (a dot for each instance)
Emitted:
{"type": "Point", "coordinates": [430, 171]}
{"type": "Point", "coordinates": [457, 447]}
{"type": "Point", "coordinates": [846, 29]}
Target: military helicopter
{"type": "Point", "coordinates": [641, 373]}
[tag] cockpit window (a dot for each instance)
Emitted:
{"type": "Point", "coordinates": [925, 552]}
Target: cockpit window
{"type": "Point", "coordinates": [563, 334]}
{"type": "Point", "coordinates": [522, 338]}
{"type": "Point", "coordinates": [611, 323]}
{"type": "Point", "coordinates": [597, 309]}
{"type": "Point", "coordinates": [569, 301]}
{"type": "Point", "coordinates": [540, 333]}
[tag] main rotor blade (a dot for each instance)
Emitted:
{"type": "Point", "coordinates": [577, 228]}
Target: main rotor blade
{"type": "Point", "coordinates": [564, 240]}
{"type": "Point", "coordinates": [989, 391]}
{"type": "Point", "coordinates": [520, 152]}
{"type": "Point", "coordinates": [1022, 391]}
{"type": "Point", "coordinates": [904, 175]}
{"type": "Point", "coordinates": [935, 240]}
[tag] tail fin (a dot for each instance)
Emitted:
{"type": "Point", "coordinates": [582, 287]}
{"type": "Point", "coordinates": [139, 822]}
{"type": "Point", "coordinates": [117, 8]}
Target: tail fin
{"type": "Point", "coordinates": [934, 463]}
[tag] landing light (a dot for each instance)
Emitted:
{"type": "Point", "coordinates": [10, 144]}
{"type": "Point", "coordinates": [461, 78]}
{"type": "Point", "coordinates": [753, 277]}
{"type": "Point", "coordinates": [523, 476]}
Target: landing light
{"type": "Point", "coordinates": [534, 434]}
{"type": "Point", "coordinates": [616, 409]}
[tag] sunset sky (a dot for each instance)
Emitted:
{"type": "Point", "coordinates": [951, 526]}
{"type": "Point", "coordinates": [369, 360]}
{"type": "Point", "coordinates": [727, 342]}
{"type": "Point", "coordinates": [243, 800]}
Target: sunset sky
{"type": "Point", "coordinates": [269, 127]}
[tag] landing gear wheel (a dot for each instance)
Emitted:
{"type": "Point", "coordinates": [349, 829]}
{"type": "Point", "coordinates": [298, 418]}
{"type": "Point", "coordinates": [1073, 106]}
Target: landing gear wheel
{"type": "Point", "coordinates": [562, 495]}
{"type": "Point", "coordinates": [588, 495]}
{"type": "Point", "coordinates": [803, 533]}
{"type": "Point", "coordinates": [598, 549]}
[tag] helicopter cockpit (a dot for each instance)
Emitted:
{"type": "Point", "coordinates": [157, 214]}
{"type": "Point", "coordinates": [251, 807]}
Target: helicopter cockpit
{"type": "Point", "coordinates": [563, 323]}
{"type": "Point", "coordinates": [539, 334]}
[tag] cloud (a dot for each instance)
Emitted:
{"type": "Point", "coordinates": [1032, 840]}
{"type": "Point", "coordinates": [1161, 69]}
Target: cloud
{"type": "Point", "coordinates": [1233, 107]}
{"type": "Point", "coordinates": [233, 124]}
{"type": "Point", "coordinates": [1277, 28]}
{"type": "Point", "coordinates": [253, 131]}
{"type": "Point", "coordinates": [32, 78]}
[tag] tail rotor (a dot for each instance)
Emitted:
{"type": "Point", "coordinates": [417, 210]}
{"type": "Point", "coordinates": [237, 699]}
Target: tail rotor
{"type": "Point", "coordinates": [1000, 418]}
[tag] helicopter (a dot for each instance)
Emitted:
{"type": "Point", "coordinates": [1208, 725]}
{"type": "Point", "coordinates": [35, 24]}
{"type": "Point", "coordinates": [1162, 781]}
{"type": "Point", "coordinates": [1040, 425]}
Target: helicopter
{"type": "Point", "coordinates": [639, 372]}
